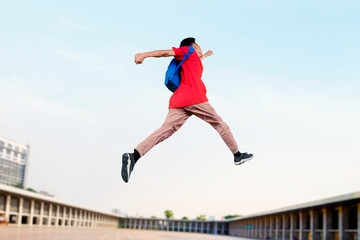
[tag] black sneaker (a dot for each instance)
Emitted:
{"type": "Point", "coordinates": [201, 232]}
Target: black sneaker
{"type": "Point", "coordinates": [244, 157]}
{"type": "Point", "coordinates": [128, 163]}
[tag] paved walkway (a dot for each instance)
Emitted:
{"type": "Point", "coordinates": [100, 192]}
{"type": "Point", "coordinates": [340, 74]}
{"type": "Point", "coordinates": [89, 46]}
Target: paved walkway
{"type": "Point", "coordinates": [63, 233]}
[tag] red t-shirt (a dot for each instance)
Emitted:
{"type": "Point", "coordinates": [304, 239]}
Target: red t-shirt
{"type": "Point", "coordinates": [192, 90]}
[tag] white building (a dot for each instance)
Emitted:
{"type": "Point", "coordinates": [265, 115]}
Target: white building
{"type": "Point", "coordinates": [14, 162]}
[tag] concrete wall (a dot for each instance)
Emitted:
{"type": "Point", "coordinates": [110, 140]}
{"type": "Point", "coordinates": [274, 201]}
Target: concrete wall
{"type": "Point", "coordinates": [328, 221]}
{"type": "Point", "coordinates": [210, 227]}
{"type": "Point", "coordinates": [25, 208]}
{"type": "Point", "coordinates": [336, 218]}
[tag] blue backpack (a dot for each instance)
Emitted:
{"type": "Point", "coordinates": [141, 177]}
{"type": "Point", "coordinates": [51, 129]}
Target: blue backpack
{"type": "Point", "coordinates": [172, 76]}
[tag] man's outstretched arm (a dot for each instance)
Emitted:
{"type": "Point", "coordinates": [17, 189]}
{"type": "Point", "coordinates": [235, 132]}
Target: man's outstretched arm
{"type": "Point", "coordinates": [207, 54]}
{"type": "Point", "coordinates": [139, 58]}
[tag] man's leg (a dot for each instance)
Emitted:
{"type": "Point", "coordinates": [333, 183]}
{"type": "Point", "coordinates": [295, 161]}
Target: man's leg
{"type": "Point", "coordinates": [207, 113]}
{"type": "Point", "coordinates": [174, 120]}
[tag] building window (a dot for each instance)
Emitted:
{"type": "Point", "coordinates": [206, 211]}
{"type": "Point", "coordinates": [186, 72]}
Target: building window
{"type": "Point", "coordinates": [8, 151]}
{"type": "Point", "coordinates": [2, 143]}
{"type": "Point", "coordinates": [9, 146]}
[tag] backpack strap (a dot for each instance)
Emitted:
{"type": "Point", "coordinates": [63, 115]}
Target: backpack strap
{"type": "Point", "coordinates": [191, 50]}
{"type": "Point", "coordinates": [186, 55]}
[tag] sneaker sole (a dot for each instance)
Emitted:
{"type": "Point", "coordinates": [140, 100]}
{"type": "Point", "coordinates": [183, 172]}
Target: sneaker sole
{"type": "Point", "coordinates": [244, 160]}
{"type": "Point", "coordinates": [125, 169]}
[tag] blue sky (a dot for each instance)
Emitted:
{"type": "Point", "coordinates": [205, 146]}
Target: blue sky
{"type": "Point", "coordinates": [284, 76]}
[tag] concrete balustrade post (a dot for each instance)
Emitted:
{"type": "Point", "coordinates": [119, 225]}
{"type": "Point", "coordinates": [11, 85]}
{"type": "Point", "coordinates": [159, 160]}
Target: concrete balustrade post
{"type": "Point", "coordinates": [20, 213]}
{"type": "Point", "coordinates": [341, 223]}
{"type": "Point", "coordinates": [50, 214]}
{"type": "Point", "coordinates": [271, 224]}
{"type": "Point", "coordinates": [57, 215]}
{"type": "Point", "coordinates": [301, 225]}
{"type": "Point", "coordinates": [92, 215]}
{"type": "Point", "coordinates": [7, 206]}
{"type": "Point", "coordinates": [266, 227]}
{"type": "Point", "coordinates": [358, 221]}
{"type": "Point", "coordinates": [284, 222]}
{"type": "Point", "coordinates": [63, 216]}
{"type": "Point", "coordinates": [41, 215]}
{"type": "Point", "coordinates": [292, 226]}
{"type": "Point", "coordinates": [259, 231]}
{"type": "Point", "coordinates": [249, 230]}
{"type": "Point", "coordinates": [31, 216]}
{"type": "Point", "coordinates": [277, 231]}
{"type": "Point", "coordinates": [76, 221]}
{"type": "Point", "coordinates": [265, 230]}
{"type": "Point", "coordinates": [326, 223]}
{"type": "Point", "coordinates": [215, 228]}
{"type": "Point", "coordinates": [312, 230]}
{"type": "Point", "coordinates": [344, 223]}
{"type": "Point", "coordinates": [253, 228]}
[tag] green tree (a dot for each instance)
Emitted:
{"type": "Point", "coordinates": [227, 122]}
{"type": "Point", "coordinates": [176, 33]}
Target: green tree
{"type": "Point", "coordinates": [169, 214]}
{"type": "Point", "coordinates": [153, 217]}
{"type": "Point", "coordinates": [31, 190]}
{"type": "Point", "coordinates": [19, 185]}
{"type": "Point", "coordinates": [185, 218]}
{"type": "Point", "coordinates": [202, 217]}
{"type": "Point", "coordinates": [232, 216]}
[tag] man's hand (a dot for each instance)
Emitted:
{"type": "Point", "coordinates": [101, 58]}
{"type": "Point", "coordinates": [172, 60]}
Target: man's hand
{"type": "Point", "coordinates": [139, 58]}
{"type": "Point", "coordinates": [207, 54]}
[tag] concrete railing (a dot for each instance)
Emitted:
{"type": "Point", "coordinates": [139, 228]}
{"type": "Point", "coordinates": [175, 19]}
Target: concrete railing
{"type": "Point", "coordinates": [210, 227]}
{"type": "Point", "coordinates": [336, 218]}
{"type": "Point", "coordinates": [22, 207]}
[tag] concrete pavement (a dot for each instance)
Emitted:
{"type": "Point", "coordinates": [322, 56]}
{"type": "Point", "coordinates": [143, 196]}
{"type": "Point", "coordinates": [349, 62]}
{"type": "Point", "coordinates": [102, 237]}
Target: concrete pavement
{"type": "Point", "coordinates": [66, 233]}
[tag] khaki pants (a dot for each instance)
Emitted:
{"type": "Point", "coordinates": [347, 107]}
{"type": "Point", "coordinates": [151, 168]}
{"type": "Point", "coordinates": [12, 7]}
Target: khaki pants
{"type": "Point", "coordinates": [178, 116]}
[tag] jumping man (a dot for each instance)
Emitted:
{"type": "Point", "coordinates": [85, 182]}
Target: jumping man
{"type": "Point", "coordinates": [189, 99]}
